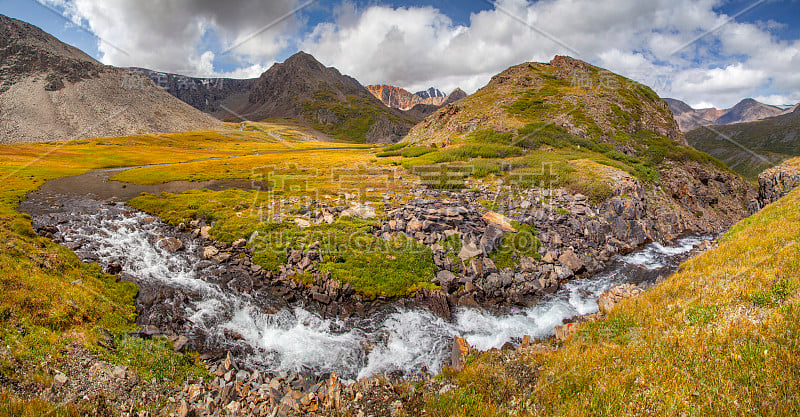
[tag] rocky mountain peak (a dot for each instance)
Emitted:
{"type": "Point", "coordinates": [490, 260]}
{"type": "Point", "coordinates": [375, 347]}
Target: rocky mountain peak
{"type": "Point", "coordinates": [568, 62]}
{"type": "Point", "coordinates": [431, 92]}
{"type": "Point", "coordinates": [456, 95]}
{"type": "Point", "coordinates": [402, 99]}
{"type": "Point", "coordinates": [748, 110]}
{"type": "Point", "coordinates": [336, 104]}
{"type": "Point", "coordinates": [304, 60]}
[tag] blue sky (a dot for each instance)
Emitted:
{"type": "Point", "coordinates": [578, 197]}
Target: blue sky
{"type": "Point", "coordinates": [449, 43]}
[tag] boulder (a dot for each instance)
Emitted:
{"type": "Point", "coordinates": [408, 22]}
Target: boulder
{"type": "Point", "coordinates": [359, 210]}
{"type": "Point", "coordinates": [239, 243]}
{"type": "Point", "coordinates": [549, 257]}
{"type": "Point", "coordinates": [527, 264]}
{"type": "Point", "coordinates": [491, 239]}
{"type": "Point", "coordinates": [459, 353]}
{"type": "Point", "coordinates": [302, 223]}
{"type": "Point", "coordinates": [445, 277]}
{"type": "Point", "coordinates": [499, 220]}
{"type": "Point", "coordinates": [170, 244]}
{"type": "Point", "coordinates": [571, 261]}
{"type": "Point", "coordinates": [469, 250]}
{"type": "Point", "coordinates": [437, 303]}
{"type": "Point", "coordinates": [210, 252]}
{"type": "Point", "coordinates": [564, 331]}
{"type": "Point", "coordinates": [204, 232]}
{"type": "Point", "coordinates": [414, 225]}
{"type": "Point", "coordinates": [615, 294]}
{"type": "Point", "coordinates": [59, 379]}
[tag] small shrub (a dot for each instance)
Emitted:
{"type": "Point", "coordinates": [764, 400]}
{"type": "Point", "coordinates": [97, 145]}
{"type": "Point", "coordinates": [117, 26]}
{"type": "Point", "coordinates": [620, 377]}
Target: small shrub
{"type": "Point", "coordinates": [701, 315]}
{"type": "Point", "coordinates": [415, 151]}
{"type": "Point", "coordinates": [779, 291]}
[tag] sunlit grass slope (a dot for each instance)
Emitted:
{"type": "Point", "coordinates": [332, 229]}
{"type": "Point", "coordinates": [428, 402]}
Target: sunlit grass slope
{"type": "Point", "coordinates": [719, 337]}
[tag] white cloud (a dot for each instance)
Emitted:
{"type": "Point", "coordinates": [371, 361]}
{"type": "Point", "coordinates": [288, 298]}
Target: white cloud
{"type": "Point", "coordinates": [727, 85]}
{"type": "Point", "coordinates": [418, 47]}
{"type": "Point", "coordinates": [173, 35]}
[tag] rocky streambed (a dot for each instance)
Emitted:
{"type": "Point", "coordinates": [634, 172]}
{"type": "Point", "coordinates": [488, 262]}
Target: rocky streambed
{"type": "Point", "coordinates": [226, 307]}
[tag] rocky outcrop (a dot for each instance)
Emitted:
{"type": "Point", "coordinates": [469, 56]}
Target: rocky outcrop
{"type": "Point", "coordinates": [615, 294]}
{"type": "Point", "coordinates": [210, 95]}
{"type": "Point", "coordinates": [776, 182]}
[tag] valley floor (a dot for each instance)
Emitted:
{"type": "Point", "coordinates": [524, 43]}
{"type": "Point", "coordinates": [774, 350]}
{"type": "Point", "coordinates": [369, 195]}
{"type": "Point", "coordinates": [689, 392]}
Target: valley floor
{"type": "Point", "coordinates": [719, 337]}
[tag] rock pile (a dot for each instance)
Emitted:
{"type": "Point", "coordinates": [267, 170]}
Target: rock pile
{"type": "Point", "coordinates": [235, 391]}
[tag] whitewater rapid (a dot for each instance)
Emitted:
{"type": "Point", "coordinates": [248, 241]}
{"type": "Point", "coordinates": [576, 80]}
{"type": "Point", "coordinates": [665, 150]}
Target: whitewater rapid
{"type": "Point", "coordinates": [294, 339]}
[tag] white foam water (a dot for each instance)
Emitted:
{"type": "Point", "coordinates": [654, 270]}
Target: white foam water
{"type": "Point", "coordinates": [295, 339]}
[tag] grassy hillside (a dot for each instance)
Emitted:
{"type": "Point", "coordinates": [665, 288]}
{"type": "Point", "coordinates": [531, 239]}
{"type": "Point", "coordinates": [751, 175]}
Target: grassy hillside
{"type": "Point", "coordinates": [719, 337]}
{"type": "Point", "coordinates": [354, 118]}
{"type": "Point", "coordinates": [749, 148]}
{"type": "Point", "coordinates": [553, 113]}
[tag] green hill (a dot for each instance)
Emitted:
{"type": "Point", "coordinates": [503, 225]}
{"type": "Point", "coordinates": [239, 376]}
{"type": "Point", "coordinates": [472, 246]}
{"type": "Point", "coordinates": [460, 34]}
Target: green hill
{"type": "Point", "coordinates": [556, 116]}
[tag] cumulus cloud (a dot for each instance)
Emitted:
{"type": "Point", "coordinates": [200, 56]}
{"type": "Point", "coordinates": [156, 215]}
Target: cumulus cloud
{"type": "Point", "coordinates": [728, 84]}
{"type": "Point", "coordinates": [184, 36]}
{"type": "Point", "coordinates": [682, 48]}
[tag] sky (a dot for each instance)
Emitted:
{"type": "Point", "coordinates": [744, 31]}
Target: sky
{"type": "Point", "coordinates": [704, 52]}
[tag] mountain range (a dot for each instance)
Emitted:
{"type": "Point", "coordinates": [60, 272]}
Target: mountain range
{"type": "Point", "coordinates": [402, 99]}
{"type": "Point", "coordinates": [53, 91]}
{"type": "Point", "coordinates": [747, 110]}
{"type": "Point", "coordinates": [751, 147]}
{"type": "Point", "coordinates": [301, 88]}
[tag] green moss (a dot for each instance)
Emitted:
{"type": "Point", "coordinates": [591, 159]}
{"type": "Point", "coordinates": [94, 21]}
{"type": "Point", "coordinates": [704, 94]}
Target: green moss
{"type": "Point", "coordinates": [153, 359]}
{"type": "Point", "coordinates": [490, 136]}
{"type": "Point", "coordinates": [522, 243]}
{"type": "Point", "coordinates": [395, 147]}
{"type": "Point", "coordinates": [378, 267]}
{"type": "Point", "coordinates": [701, 315]}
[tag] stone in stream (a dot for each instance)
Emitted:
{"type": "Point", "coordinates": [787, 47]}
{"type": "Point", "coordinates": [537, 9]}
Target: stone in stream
{"type": "Point", "coordinates": [209, 252]}
{"type": "Point", "coordinates": [204, 232]}
{"type": "Point", "coordinates": [170, 244]}
{"type": "Point", "coordinates": [460, 352]}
